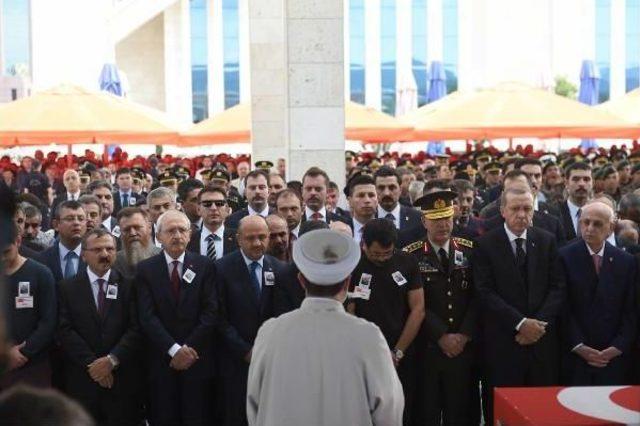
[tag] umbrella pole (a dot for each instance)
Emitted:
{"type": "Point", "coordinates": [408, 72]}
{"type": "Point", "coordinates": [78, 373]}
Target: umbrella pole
{"type": "Point", "coordinates": [510, 143]}
{"type": "Point", "coordinates": [105, 154]}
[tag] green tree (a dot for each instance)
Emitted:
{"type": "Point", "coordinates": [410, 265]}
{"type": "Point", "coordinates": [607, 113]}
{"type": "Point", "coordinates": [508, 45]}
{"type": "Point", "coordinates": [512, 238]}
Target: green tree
{"type": "Point", "coordinates": [565, 88]}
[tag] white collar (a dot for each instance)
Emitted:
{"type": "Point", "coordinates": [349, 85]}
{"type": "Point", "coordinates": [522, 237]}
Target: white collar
{"type": "Point", "coordinates": [125, 192]}
{"type": "Point", "coordinates": [599, 253]}
{"type": "Point", "coordinates": [395, 212]}
{"type": "Point", "coordinates": [573, 209]}
{"type": "Point", "coordinates": [75, 195]}
{"type": "Point", "coordinates": [263, 213]}
{"type": "Point", "coordinates": [93, 277]}
{"type": "Point", "coordinates": [248, 261]}
{"type": "Point", "coordinates": [512, 237]}
{"type": "Point", "coordinates": [64, 250]}
{"type": "Point", "coordinates": [295, 231]}
{"type": "Point", "coordinates": [536, 204]}
{"type": "Point", "coordinates": [356, 225]}
{"type": "Point", "coordinates": [308, 212]}
{"type": "Point", "coordinates": [107, 223]}
{"type": "Point", "coordinates": [219, 232]}
{"type": "Point", "coordinates": [170, 260]}
{"type": "Point", "coordinates": [436, 247]}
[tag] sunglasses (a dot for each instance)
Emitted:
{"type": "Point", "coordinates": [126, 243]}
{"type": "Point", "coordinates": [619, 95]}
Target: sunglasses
{"type": "Point", "coordinates": [209, 203]}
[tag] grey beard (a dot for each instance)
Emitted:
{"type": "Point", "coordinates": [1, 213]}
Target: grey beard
{"type": "Point", "coordinates": [137, 252]}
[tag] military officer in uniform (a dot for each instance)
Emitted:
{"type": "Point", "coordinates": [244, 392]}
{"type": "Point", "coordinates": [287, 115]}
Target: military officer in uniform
{"type": "Point", "coordinates": [445, 356]}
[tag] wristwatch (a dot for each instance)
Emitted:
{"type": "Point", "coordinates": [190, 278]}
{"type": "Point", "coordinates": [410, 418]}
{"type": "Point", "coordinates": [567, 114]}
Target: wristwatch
{"type": "Point", "coordinates": [113, 360]}
{"type": "Point", "coordinates": [398, 354]}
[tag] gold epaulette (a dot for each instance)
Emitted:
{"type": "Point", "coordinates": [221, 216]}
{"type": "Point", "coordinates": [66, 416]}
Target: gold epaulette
{"type": "Point", "coordinates": [463, 242]}
{"type": "Point", "coordinates": [413, 246]}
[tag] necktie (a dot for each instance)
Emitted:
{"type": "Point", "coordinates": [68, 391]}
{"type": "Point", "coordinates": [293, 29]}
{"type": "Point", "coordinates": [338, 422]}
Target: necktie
{"type": "Point", "coordinates": [211, 247]}
{"type": "Point", "coordinates": [578, 233]}
{"type": "Point", "coordinates": [390, 217]}
{"type": "Point", "coordinates": [101, 297]}
{"type": "Point", "coordinates": [520, 254]}
{"type": "Point", "coordinates": [316, 216]}
{"type": "Point", "coordinates": [175, 281]}
{"type": "Point", "coordinates": [254, 279]}
{"type": "Point", "coordinates": [444, 259]}
{"type": "Point", "coordinates": [597, 262]}
{"type": "Point", "coordinates": [69, 267]}
{"type": "Point", "coordinates": [125, 200]}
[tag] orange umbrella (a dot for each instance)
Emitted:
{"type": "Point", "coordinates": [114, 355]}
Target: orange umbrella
{"type": "Point", "coordinates": [70, 114]}
{"type": "Point", "coordinates": [626, 107]}
{"type": "Point", "coordinates": [514, 110]}
{"type": "Point", "coordinates": [234, 125]}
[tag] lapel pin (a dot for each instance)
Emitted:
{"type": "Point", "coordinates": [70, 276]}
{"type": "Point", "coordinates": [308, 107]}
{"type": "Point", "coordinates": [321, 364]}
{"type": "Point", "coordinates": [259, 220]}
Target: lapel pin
{"type": "Point", "coordinates": [611, 259]}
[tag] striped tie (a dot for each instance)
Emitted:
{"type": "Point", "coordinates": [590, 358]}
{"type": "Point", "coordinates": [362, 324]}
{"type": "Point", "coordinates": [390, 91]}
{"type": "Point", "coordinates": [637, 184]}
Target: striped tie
{"type": "Point", "coordinates": [211, 247]}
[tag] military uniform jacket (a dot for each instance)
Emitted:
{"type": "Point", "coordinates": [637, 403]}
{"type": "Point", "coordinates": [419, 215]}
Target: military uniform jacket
{"type": "Point", "coordinates": [449, 297]}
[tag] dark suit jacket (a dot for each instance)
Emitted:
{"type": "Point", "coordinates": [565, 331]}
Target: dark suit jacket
{"type": "Point", "coordinates": [409, 217]}
{"type": "Point", "coordinates": [600, 308]}
{"type": "Point", "coordinates": [505, 299]}
{"type": "Point", "coordinates": [242, 310]}
{"type": "Point", "coordinates": [117, 203]}
{"type": "Point", "coordinates": [289, 293]}
{"type": "Point", "coordinates": [567, 222]}
{"type": "Point", "coordinates": [229, 243]}
{"type": "Point", "coordinates": [192, 321]}
{"type": "Point", "coordinates": [541, 220]}
{"type": "Point", "coordinates": [57, 200]}
{"type": "Point", "coordinates": [51, 259]}
{"type": "Point", "coordinates": [84, 336]}
{"type": "Point", "coordinates": [233, 220]}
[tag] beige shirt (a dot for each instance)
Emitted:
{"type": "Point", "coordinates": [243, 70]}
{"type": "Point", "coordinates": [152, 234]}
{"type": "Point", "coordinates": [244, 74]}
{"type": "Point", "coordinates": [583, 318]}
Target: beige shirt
{"type": "Point", "coordinates": [319, 366]}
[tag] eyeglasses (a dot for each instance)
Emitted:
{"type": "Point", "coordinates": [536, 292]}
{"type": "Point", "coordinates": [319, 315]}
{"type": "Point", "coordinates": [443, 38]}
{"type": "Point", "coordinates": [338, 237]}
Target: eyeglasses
{"type": "Point", "coordinates": [209, 203]}
{"type": "Point", "coordinates": [176, 231]}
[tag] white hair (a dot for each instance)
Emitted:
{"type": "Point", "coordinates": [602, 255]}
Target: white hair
{"type": "Point", "coordinates": [170, 213]}
{"type": "Point", "coordinates": [601, 204]}
{"type": "Point", "coordinates": [161, 192]}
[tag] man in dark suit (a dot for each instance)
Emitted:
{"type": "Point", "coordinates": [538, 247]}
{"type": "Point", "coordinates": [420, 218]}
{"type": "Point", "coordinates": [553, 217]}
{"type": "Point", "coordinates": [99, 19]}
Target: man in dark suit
{"type": "Point", "coordinates": [71, 181]}
{"type": "Point", "coordinates": [520, 288]}
{"type": "Point", "coordinates": [257, 194]}
{"type": "Point", "coordinates": [29, 308]}
{"type": "Point", "coordinates": [466, 225]}
{"type": "Point", "coordinates": [579, 185]}
{"type": "Point", "coordinates": [102, 190]}
{"type": "Point", "coordinates": [314, 196]}
{"type": "Point", "coordinates": [99, 336]}
{"type": "Point", "coordinates": [124, 196]}
{"type": "Point", "coordinates": [214, 240]}
{"type": "Point", "coordinates": [178, 313]}
{"type": "Point", "coordinates": [63, 258]}
{"type": "Point", "coordinates": [601, 318]}
{"type": "Point", "coordinates": [388, 189]}
{"type": "Point", "coordinates": [246, 282]}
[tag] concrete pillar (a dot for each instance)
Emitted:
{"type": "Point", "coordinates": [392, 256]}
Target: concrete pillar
{"type": "Point", "coordinates": [618, 54]}
{"type": "Point", "coordinates": [297, 84]}
{"type": "Point", "coordinates": [372, 72]}
{"type": "Point", "coordinates": [177, 62]}
{"type": "Point", "coordinates": [346, 37]}
{"type": "Point", "coordinates": [215, 46]}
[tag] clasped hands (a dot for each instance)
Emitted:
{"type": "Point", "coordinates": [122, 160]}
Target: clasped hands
{"type": "Point", "coordinates": [184, 358]}
{"type": "Point", "coordinates": [101, 372]}
{"type": "Point", "coordinates": [596, 358]}
{"type": "Point", "coordinates": [531, 331]}
{"type": "Point", "coordinates": [452, 344]}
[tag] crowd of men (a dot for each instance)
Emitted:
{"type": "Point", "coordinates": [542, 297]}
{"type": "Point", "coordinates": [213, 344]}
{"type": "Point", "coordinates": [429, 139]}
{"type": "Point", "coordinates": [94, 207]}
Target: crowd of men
{"type": "Point", "coordinates": [138, 287]}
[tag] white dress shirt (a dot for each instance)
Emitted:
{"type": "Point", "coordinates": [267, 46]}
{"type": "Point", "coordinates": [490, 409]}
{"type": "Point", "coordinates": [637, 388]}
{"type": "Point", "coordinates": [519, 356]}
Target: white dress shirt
{"type": "Point", "coordinates": [217, 242]}
{"type": "Point", "coordinates": [263, 213]}
{"type": "Point", "coordinates": [63, 252]}
{"type": "Point", "coordinates": [308, 213]}
{"type": "Point", "coordinates": [382, 214]}
{"type": "Point", "coordinates": [74, 196]}
{"type": "Point", "coordinates": [175, 347]}
{"type": "Point", "coordinates": [248, 262]}
{"type": "Point", "coordinates": [573, 212]}
{"type": "Point", "coordinates": [437, 248]}
{"type": "Point", "coordinates": [93, 280]}
{"type": "Point", "coordinates": [155, 236]}
{"type": "Point", "coordinates": [357, 230]}
{"type": "Point", "coordinates": [107, 223]}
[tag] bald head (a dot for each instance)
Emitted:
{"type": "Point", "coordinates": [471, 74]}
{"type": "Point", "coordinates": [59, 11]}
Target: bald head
{"type": "Point", "coordinates": [596, 224]}
{"type": "Point", "coordinates": [253, 236]}
{"type": "Point", "coordinates": [71, 181]}
{"type": "Point", "coordinates": [336, 225]}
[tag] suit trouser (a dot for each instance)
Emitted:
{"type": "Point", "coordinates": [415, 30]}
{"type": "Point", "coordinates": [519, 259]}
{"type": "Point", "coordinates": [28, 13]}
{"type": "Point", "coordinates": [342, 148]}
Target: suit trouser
{"type": "Point", "coordinates": [109, 407]}
{"type": "Point", "coordinates": [180, 398]}
{"type": "Point", "coordinates": [407, 375]}
{"type": "Point", "coordinates": [445, 384]}
{"type": "Point", "coordinates": [235, 397]}
{"type": "Point", "coordinates": [617, 372]}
